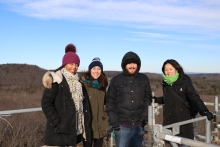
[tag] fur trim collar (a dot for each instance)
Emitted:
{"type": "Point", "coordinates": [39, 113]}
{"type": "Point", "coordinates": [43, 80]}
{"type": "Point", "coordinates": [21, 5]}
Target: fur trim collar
{"type": "Point", "coordinates": [51, 77]}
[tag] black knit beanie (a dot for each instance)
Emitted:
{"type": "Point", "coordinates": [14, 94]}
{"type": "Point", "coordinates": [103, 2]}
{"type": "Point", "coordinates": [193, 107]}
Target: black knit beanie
{"type": "Point", "coordinates": [132, 60]}
{"type": "Point", "coordinates": [95, 62]}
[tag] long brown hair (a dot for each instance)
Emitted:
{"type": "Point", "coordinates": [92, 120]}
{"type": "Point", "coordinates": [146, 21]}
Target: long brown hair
{"type": "Point", "coordinates": [102, 79]}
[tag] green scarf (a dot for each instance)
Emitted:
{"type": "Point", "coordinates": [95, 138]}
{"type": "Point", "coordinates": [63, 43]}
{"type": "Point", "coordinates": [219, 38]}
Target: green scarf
{"type": "Point", "coordinates": [171, 79]}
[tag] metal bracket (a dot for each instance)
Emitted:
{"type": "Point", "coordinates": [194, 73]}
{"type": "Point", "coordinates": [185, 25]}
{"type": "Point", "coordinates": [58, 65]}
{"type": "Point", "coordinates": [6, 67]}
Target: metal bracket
{"type": "Point", "coordinates": [176, 130]}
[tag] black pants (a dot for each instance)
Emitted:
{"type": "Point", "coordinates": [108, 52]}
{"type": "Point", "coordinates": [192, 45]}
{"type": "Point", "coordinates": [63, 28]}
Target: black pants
{"type": "Point", "coordinates": [96, 143]}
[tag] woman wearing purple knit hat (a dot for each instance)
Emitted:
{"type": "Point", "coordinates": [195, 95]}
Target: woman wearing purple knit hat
{"type": "Point", "coordinates": [65, 104]}
{"type": "Point", "coordinates": [96, 83]}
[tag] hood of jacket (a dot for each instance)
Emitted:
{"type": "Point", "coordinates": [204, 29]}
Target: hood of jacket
{"type": "Point", "coordinates": [130, 55]}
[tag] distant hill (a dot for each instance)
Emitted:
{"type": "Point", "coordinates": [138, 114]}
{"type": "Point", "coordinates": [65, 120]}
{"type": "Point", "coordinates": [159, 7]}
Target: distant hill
{"type": "Point", "coordinates": [20, 76]}
{"type": "Point", "coordinates": [28, 77]}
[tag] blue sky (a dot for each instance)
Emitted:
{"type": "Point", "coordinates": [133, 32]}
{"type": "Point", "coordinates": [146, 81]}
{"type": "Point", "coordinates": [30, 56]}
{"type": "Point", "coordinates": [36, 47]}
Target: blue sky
{"type": "Point", "coordinates": [37, 31]}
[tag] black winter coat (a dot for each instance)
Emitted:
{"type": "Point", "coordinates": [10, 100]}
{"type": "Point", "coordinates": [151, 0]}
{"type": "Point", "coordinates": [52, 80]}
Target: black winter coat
{"type": "Point", "coordinates": [128, 97]}
{"type": "Point", "coordinates": [174, 110]}
{"type": "Point", "coordinates": [60, 112]}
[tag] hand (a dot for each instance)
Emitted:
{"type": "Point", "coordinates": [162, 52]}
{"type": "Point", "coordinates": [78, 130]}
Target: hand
{"type": "Point", "coordinates": [154, 97]}
{"type": "Point", "coordinates": [143, 123]}
{"type": "Point", "coordinates": [208, 114]}
{"type": "Point", "coordinates": [144, 120]}
{"type": "Point", "coordinates": [109, 131]}
{"type": "Point", "coordinates": [116, 128]}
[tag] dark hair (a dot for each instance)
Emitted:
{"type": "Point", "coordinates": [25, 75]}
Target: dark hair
{"type": "Point", "coordinates": [175, 64]}
{"type": "Point", "coordinates": [102, 79]}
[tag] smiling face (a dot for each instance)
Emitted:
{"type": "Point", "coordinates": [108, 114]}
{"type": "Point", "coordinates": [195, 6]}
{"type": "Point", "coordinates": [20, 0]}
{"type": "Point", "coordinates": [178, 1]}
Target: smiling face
{"type": "Point", "coordinates": [72, 67]}
{"type": "Point", "coordinates": [131, 68]}
{"type": "Point", "coordinates": [96, 72]}
{"type": "Point", "coordinates": [169, 70]}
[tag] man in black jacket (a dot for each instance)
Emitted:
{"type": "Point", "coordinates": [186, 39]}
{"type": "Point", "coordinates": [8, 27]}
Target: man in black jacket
{"type": "Point", "coordinates": [128, 98]}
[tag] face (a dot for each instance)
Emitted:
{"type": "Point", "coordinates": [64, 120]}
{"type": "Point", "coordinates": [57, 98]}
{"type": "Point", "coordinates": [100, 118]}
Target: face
{"type": "Point", "coordinates": [96, 72]}
{"type": "Point", "coordinates": [169, 70]}
{"type": "Point", "coordinates": [131, 68]}
{"type": "Point", "coordinates": [72, 67]}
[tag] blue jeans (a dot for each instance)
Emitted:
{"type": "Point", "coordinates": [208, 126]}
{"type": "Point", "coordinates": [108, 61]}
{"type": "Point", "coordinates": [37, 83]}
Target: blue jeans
{"type": "Point", "coordinates": [129, 136]}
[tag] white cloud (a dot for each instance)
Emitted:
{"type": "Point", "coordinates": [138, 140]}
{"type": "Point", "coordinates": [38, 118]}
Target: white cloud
{"type": "Point", "coordinates": [201, 14]}
{"type": "Point", "coordinates": [206, 47]}
{"type": "Point", "coordinates": [149, 34]}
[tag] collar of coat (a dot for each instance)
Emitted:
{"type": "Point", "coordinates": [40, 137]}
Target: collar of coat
{"type": "Point", "coordinates": [126, 73]}
{"type": "Point", "coordinates": [51, 77]}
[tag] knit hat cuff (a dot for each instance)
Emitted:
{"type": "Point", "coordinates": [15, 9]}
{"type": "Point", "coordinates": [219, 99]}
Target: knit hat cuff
{"type": "Point", "coordinates": [70, 57]}
{"type": "Point", "coordinates": [95, 62]}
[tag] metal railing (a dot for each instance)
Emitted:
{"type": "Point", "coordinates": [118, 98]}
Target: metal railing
{"type": "Point", "coordinates": [10, 112]}
{"type": "Point", "coordinates": [157, 134]}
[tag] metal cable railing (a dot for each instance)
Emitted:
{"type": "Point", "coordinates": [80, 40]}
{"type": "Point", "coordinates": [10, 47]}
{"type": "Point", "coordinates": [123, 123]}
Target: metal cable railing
{"type": "Point", "coordinates": [158, 133]}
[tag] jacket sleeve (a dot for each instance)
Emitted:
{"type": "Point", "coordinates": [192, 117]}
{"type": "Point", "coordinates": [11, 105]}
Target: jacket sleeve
{"type": "Point", "coordinates": [193, 96]}
{"type": "Point", "coordinates": [111, 104]}
{"type": "Point", "coordinates": [87, 115]}
{"type": "Point", "coordinates": [147, 100]}
{"type": "Point", "coordinates": [48, 105]}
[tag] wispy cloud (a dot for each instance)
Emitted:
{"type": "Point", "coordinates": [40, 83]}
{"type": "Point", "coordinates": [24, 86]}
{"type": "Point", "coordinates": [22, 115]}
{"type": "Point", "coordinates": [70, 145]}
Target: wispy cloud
{"type": "Point", "coordinates": [201, 14]}
{"type": "Point", "coordinates": [135, 39]}
{"type": "Point", "coordinates": [206, 47]}
{"type": "Point", "coordinates": [142, 36]}
{"type": "Point", "coordinates": [157, 35]}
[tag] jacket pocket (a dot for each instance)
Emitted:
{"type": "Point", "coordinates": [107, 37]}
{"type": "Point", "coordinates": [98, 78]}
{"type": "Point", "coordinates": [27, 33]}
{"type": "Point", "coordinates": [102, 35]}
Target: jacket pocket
{"type": "Point", "coordinates": [66, 109]}
{"type": "Point", "coordinates": [122, 85]}
{"type": "Point", "coordinates": [142, 88]}
{"type": "Point", "coordinates": [142, 85]}
{"type": "Point", "coordinates": [121, 88]}
{"type": "Point", "coordinates": [67, 124]}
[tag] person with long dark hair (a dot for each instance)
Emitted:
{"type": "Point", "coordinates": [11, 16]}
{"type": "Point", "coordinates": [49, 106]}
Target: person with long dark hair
{"type": "Point", "coordinates": [96, 83]}
{"type": "Point", "coordinates": [65, 104]}
{"type": "Point", "coordinates": [177, 91]}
